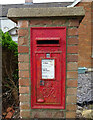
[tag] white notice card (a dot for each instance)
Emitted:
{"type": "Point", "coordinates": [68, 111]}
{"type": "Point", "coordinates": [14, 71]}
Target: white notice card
{"type": "Point", "coordinates": [48, 69]}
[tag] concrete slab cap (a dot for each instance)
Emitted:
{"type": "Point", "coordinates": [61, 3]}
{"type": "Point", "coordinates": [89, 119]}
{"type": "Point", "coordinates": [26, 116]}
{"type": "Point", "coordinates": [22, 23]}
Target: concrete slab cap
{"type": "Point", "coordinates": [45, 12]}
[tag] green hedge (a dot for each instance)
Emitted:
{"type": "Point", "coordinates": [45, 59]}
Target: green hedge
{"type": "Point", "coordinates": [7, 42]}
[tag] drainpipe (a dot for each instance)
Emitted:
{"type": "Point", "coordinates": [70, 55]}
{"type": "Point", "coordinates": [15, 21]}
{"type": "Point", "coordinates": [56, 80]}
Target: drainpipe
{"type": "Point", "coordinates": [74, 3]}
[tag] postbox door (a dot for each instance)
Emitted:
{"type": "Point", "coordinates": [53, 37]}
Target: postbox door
{"type": "Point", "coordinates": [48, 77]}
{"type": "Point", "coordinates": [48, 81]}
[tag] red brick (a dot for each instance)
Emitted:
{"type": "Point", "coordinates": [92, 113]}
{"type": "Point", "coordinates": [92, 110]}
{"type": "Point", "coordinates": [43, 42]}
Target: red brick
{"type": "Point", "coordinates": [25, 114]}
{"type": "Point", "coordinates": [72, 66]}
{"type": "Point", "coordinates": [72, 58]}
{"type": "Point", "coordinates": [23, 23]}
{"type": "Point", "coordinates": [9, 109]}
{"type": "Point", "coordinates": [41, 114]}
{"type": "Point", "coordinates": [23, 49]}
{"type": "Point", "coordinates": [72, 49]}
{"type": "Point", "coordinates": [71, 107]}
{"type": "Point", "coordinates": [23, 58]}
{"type": "Point", "coordinates": [84, 3]}
{"type": "Point", "coordinates": [73, 22]}
{"type": "Point", "coordinates": [71, 99]}
{"type": "Point", "coordinates": [23, 82]}
{"type": "Point", "coordinates": [47, 114]}
{"type": "Point", "coordinates": [73, 41]}
{"type": "Point", "coordinates": [44, 21]}
{"type": "Point", "coordinates": [72, 31]}
{"type": "Point", "coordinates": [72, 74]}
{"type": "Point", "coordinates": [22, 32]}
{"type": "Point", "coordinates": [25, 106]}
{"type": "Point", "coordinates": [23, 89]}
{"type": "Point", "coordinates": [23, 66]}
{"type": "Point", "coordinates": [24, 98]}
{"type": "Point", "coordinates": [85, 36]}
{"type": "Point", "coordinates": [58, 114]}
{"type": "Point", "coordinates": [28, 1]}
{"type": "Point", "coordinates": [59, 22]}
{"type": "Point", "coordinates": [71, 91]}
{"type": "Point", "coordinates": [22, 41]}
{"type": "Point", "coordinates": [9, 115]}
{"type": "Point", "coordinates": [72, 83]}
{"type": "Point", "coordinates": [24, 74]}
{"type": "Point", "coordinates": [71, 115]}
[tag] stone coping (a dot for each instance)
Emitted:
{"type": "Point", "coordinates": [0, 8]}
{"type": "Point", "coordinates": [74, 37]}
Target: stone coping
{"type": "Point", "coordinates": [16, 13]}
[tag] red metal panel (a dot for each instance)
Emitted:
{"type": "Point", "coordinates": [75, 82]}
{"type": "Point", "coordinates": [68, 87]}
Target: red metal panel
{"type": "Point", "coordinates": [49, 54]}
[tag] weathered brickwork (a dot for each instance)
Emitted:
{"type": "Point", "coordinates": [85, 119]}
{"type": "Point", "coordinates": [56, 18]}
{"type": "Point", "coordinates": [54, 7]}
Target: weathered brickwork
{"type": "Point", "coordinates": [24, 77]}
{"type": "Point", "coordinates": [85, 34]}
{"type": "Point", "coordinates": [24, 68]}
{"type": "Point", "coordinates": [70, 114]}
{"type": "Point", "coordinates": [72, 83]}
{"type": "Point", "coordinates": [72, 58]}
{"type": "Point", "coordinates": [72, 41]}
{"type": "Point", "coordinates": [28, 1]}
{"type": "Point", "coordinates": [23, 58]}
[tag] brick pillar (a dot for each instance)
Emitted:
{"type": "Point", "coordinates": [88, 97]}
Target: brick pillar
{"type": "Point", "coordinates": [38, 19]}
{"type": "Point", "coordinates": [28, 1]}
{"type": "Point", "coordinates": [85, 33]}
{"type": "Point", "coordinates": [24, 77]}
{"type": "Point", "coordinates": [92, 41]}
{"type": "Point", "coordinates": [72, 67]}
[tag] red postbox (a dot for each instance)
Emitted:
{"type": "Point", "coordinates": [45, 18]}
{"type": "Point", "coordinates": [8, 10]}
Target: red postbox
{"type": "Point", "coordinates": [48, 67]}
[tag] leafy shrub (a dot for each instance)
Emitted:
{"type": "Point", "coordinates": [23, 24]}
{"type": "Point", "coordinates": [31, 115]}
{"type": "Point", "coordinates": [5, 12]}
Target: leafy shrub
{"type": "Point", "coordinates": [9, 70]}
{"type": "Point", "coordinates": [8, 43]}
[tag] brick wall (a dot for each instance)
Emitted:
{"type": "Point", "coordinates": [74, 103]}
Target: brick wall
{"type": "Point", "coordinates": [28, 1]}
{"type": "Point", "coordinates": [92, 32]}
{"type": "Point", "coordinates": [24, 68]}
{"type": "Point", "coordinates": [85, 33]}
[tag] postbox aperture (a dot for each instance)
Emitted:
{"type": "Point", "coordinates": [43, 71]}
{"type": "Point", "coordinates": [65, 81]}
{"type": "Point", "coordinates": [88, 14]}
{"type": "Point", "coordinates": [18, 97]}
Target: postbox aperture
{"type": "Point", "coordinates": [48, 67]}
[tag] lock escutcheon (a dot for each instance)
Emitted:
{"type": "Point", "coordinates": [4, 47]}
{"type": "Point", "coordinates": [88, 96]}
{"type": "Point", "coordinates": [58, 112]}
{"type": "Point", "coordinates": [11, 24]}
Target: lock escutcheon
{"type": "Point", "coordinates": [42, 83]}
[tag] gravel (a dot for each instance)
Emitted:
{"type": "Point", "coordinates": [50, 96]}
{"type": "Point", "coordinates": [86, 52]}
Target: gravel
{"type": "Point", "coordinates": [85, 87]}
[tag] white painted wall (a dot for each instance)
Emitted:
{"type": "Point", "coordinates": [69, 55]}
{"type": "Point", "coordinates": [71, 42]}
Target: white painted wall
{"type": "Point", "coordinates": [14, 34]}
{"type": "Point", "coordinates": [46, 1]}
{"type": "Point", "coordinates": [15, 38]}
{"type": "Point", "coordinates": [7, 24]}
{"type": "Point", "coordinates": [12, 1]}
